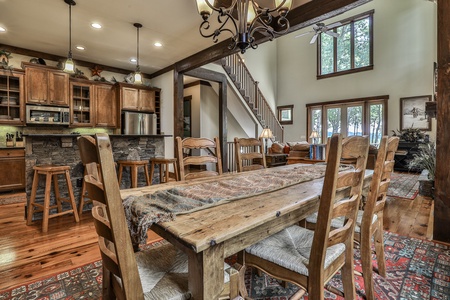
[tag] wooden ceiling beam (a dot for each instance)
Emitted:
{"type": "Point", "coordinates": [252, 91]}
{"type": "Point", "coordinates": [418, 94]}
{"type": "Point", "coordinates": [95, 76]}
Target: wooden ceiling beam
{"type": "Point", "coordinates": [299, 17]}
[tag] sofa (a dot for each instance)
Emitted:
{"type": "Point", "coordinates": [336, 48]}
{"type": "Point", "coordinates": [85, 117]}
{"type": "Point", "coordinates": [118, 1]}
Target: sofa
{"type": "Point", "coordinates": [301, 150]}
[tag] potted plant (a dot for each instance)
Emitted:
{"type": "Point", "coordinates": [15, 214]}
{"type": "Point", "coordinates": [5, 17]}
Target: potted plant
{"type": "Point", "coordinates": [425, 159]}
{"type": "Point", "coordinates": [409, 134]}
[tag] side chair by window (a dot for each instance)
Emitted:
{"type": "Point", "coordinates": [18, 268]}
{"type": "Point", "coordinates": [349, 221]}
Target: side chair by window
{"type": "Point", "coordinates": [308, 258]}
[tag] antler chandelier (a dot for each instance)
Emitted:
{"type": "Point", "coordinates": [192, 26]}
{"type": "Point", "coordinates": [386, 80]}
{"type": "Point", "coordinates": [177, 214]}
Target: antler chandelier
{"type": "Point", "coordinates": [242, 19]}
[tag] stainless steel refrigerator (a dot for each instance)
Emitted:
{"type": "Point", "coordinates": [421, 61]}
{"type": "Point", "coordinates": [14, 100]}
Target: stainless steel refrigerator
{"type": "Point", "coordinates": [138, 123]}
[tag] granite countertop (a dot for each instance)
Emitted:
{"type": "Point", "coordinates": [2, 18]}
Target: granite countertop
{"type": "Point", "coordinates": [111, 135]}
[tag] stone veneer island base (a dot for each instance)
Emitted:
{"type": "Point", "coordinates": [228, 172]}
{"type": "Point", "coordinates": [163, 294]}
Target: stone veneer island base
{"type": "Point", "coordinates": [62, 149]}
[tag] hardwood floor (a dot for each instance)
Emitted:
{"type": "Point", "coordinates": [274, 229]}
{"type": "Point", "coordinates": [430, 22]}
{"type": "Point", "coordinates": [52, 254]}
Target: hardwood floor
{"type": "Point", "coordinates": [27, 254]}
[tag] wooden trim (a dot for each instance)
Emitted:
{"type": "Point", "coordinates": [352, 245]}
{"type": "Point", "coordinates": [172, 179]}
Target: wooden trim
{"type": "Point", "coordinates": [57, 58]}
{"type": "Point", "coordinates": [198, 82]}
{"type": "Point", "coordinates": [362, 69]}
{"type": "Point", "coordinates": [362, 99]}
{"type": "Point", "coordinates": [221, 78]}
{"type": "Point", "coordinates": [283, 107]}
{"type": "Point", "coordinates": [351, 21]}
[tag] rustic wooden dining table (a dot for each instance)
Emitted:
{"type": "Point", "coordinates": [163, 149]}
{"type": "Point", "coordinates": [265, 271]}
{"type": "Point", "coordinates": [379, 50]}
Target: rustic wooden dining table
{"type": "Point", "coordinates": [210, 235]}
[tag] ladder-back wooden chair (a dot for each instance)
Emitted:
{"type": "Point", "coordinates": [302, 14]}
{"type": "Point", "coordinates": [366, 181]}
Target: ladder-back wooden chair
{"type": "Point", "coordinates": [249, 154]}
{"type": "Point", "coordinates": [308, 258]}
{"type": "Point", "coordinates": [159, 273]}
{"type": "Point", "coordinates": [88, 155]}
{"type": "Point", "coordinates": [369, 222]}
{"type": "Point", "coordinates": [213, 157]}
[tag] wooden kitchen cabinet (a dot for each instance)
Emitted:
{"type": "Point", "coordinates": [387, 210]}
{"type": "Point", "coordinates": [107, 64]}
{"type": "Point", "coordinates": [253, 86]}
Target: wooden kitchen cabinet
{"type": "Point", "coordinates": [46, 85]}
{"type": "Point", "coordinates": [12, 106]}
{"type": "Point", "coordinates": [12, 160]}
{"type": "Point", "coordinates": [106, 105]}
{"type": "Point", "coordinates": [81, 103]}
{"type": "Point", "coordinates": [137, 98]}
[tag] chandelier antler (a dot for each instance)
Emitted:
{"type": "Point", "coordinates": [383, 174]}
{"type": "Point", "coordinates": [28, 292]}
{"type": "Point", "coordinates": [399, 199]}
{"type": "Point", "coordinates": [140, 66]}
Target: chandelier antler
{"type": "Point", "coordinates": [251, 18]}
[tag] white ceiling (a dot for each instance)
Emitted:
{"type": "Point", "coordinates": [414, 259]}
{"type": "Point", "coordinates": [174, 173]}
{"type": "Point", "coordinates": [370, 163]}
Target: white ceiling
{"type": "Point", "coordinates": [43, 25]}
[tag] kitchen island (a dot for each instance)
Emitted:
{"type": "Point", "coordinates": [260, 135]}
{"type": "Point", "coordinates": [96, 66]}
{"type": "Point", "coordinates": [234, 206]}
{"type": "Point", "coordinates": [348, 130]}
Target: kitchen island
{"type": "Point", "coordinates": [62, 149]}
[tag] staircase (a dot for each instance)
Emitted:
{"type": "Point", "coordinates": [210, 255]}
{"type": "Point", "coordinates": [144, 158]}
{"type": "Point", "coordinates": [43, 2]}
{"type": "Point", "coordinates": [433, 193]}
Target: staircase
{"type": "Point", "coordinates": [249, 90]}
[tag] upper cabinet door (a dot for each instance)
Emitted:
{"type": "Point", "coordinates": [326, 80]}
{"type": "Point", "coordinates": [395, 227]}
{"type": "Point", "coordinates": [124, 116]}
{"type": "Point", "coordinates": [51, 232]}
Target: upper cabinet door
{"type": "Point", "coordinates": [147, 100]}
{"type": "Point", "coordinates": [36, 85]}
{"type": "Point", "coordinates": [58, 88]}
{"type": "Point", "coordinates": [46, 85]}
{"type": "Point", "coordinates": [130, 98]}
{"type": "Point", "coordinates": [106, 106]}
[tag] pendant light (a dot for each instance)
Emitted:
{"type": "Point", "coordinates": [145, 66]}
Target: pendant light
{"type": "Point", "coordinates": [69, 66]}
{"type": "Point", "coordinates": [137, 74]}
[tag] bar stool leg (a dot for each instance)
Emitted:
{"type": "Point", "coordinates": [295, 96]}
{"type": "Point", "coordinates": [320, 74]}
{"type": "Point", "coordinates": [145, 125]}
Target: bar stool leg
{"type": "Point", "coordinates": [161, 172]}
{"type": "Point", "coordinates": [32, 198]}
{"type": "Point", "coordinates": [71, 197]}
{"type": "Point", "coordinates": [46, 208]}
{"type": "Point", "coordinates": [152, 169]}
{"type": "Point", "coordinates": [57, 194]}
{"type": "Point", "coordinates": [134, 176]}
{"type": "Point", "coordinates": [120, 173]}
{"type": "Point", "coordinates": [177, 177]}
{"type": "Point", "coordinates": [147, 178]}
{"type": "Point", "coordinates": [167, 172]}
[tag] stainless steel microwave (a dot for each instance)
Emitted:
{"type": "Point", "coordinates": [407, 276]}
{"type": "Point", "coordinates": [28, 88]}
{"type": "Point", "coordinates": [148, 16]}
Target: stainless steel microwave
{"type": "Point", "coordinates": [48, 115]}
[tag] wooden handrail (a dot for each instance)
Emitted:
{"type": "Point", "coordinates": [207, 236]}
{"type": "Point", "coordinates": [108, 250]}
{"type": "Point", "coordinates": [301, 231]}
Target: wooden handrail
{"type": "Point", "coordinates": [249, 90]}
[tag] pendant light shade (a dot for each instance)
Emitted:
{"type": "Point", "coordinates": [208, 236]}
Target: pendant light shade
{"type": "Point", "coordinates": [69, 66]}
{"type": "Point", "coordinates": [137, 74]}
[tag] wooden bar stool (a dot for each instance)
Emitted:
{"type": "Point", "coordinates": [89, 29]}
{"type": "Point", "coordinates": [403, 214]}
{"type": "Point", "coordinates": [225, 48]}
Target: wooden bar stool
{"type": "Point", "coordinates": [163, 165]}
{"type": "Point", "coordinates": [51, 172]}
{"type": "Point", "coordinates": [133, 164]}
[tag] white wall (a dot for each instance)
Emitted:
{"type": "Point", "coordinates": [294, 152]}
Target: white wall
{"type": "Point", "coordinates": [165, 83]}
{"type": "Point", "coordinates": [264, 69]}
{"type": "Point", "coordinates": [404, 52]}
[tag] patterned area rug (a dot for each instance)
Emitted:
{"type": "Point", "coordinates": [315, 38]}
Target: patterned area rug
{"type": "Point", "coordinates": [404, 185]}
{"type": "Point", "coordinates": [416, 269]}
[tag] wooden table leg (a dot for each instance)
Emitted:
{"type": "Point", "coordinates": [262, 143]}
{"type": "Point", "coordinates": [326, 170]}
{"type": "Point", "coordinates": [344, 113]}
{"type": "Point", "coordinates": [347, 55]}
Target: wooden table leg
{"type": "Point", "coordinates": [206, 273]}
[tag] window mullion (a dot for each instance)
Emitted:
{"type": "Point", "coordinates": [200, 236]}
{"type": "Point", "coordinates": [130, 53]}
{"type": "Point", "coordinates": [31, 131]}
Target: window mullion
{"type": "Point", "coordinates": [352, 45]}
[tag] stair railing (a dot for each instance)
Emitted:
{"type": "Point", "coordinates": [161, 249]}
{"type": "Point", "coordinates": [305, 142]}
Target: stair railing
{"type": "Point", "coordinates": [249, 89]}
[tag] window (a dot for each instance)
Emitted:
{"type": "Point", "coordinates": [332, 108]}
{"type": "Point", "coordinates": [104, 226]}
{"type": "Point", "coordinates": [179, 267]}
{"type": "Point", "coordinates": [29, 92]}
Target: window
{"type": "Point", "coordinates": [285, 114]}
{"type": "Point", "coordinates": [351, 52]}
{"type": "Point", "coordinates": [365, 116]}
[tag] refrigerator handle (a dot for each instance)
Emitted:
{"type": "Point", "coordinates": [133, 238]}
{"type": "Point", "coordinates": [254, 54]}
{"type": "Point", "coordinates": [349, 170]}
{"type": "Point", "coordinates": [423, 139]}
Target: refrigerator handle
{"type": "Point", "coordinates": [141, 124]}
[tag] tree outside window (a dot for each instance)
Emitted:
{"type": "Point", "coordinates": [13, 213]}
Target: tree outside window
{"type": "Point", "coordinates": [364, 116]}
{"type": "Point", "coordinates": [351, 52]}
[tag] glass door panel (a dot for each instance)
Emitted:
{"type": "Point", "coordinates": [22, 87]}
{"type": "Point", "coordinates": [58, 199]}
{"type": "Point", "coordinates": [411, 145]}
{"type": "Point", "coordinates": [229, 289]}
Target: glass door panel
{"type": "Point", "coordinates": [354, 120]}
{"type": "Point", "coordinates": [333, 121]}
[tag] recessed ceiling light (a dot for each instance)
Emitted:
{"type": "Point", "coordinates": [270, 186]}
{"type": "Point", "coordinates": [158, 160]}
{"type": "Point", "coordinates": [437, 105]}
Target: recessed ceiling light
{"type": "Point", "coordinates": [80, 48]}
{"type": "Point", "coordinates": [2, 29]}
{"type": "Point", "coordinates": [96, 25]}
{"type": "Point", "coordinates": [157, 44]}
{"type": "Point", "coordinates": [133, 60]}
